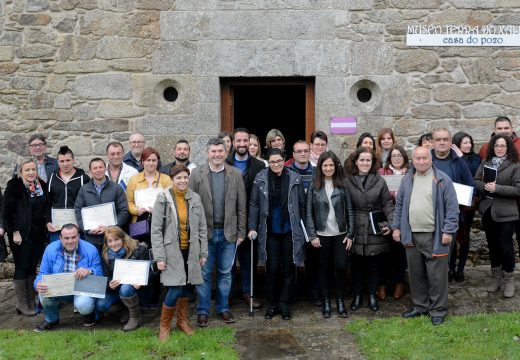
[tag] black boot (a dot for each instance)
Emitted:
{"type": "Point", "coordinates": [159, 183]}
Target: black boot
{"type": "Point", "coordinates": [356, 303]}
{"type": "Point", "coordinates": [372, 303]}
{"type": "Point", "coordinates": [342, 312]}
{"type": "Point", "coordinates": [326, 308]}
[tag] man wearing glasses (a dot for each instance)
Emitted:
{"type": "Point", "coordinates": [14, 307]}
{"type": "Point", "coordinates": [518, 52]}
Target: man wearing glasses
{"type": "Point", "coordinates": [38, 150]}
{"type": "Point", "coordinates": [133, 157]}
{"type": "Point", "coordinates": [301, 163]}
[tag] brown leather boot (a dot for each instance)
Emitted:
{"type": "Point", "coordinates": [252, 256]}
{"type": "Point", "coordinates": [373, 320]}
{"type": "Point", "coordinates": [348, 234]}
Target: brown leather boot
{"type": "Point", "coordinates": [182, 316]}
{"type": "Point", "coordinates": [399, 291]}
{"type": "Point", "coordinates": [381, 292]}
{"type": "Point", "coordinates": [167, 314]}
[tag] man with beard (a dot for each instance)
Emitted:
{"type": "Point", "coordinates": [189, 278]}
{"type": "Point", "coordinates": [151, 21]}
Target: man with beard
{"type": "Point", "coordinates": [181, 153]}
{"type": "Point", "coordinates": [249, 167]}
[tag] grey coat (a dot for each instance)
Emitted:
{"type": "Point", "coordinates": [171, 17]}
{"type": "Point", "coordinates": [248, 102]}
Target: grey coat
{"type": "Point", "coordinates": [235, 217]}
{"type": "Point", "coordinates": [259, 211]}
{"type": "Point", "coordinates": [87, 196]}
{"type": "Point", "coordinates": [373, 197]}
{"type": "Point", "coordinates": [446, 209]}
{"type": "Point", "coordinates": [503, 203]}
{"type": "Point", "coordinates": [165, 239]}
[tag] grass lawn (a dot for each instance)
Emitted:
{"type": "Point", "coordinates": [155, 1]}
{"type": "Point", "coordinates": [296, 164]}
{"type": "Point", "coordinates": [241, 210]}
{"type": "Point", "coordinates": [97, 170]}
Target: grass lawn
{"type": "Point", "coordinates": [479, 336]}
{"type": "Point", "coordinates": [214, 343]}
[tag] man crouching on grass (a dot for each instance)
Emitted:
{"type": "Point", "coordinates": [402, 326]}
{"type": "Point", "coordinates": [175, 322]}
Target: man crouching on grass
{"type": "Point", "coordinates": [425, 219]}
{"type": "Point", "coordinates": [70, 254]}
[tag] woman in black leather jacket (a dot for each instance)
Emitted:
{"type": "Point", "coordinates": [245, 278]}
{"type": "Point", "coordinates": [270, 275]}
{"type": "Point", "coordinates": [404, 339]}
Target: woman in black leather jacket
{"type": "Point", "coordinates": [330, 224]}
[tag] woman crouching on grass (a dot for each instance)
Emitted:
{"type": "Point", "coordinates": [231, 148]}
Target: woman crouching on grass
{"type": "Point", "coordinates": [180, 247]}
{"type": "Point", "coordinates": [118, 245]}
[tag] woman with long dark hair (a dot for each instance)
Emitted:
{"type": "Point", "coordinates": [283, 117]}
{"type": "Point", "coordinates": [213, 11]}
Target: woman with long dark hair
{"type": "Point", "coordinates": [369, 194]}
{"type": "Point", "coordinates": [499, 209]}
{"type": "Point", "coordinates": [25, 203]}
{"type": "Point", "coordinates": [330, 226]}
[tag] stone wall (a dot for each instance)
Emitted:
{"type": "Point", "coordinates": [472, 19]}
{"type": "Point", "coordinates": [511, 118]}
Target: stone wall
{"type": "Point", "coordinates": [84, 72]}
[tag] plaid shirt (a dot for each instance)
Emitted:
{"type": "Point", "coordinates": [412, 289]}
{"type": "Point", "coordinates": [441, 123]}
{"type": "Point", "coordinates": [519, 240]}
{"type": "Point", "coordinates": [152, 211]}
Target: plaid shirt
{"type": "Point", "coordinates": [71, 261]}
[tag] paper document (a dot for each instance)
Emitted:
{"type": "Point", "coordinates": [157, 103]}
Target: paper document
{"type": "Point", "coordinates": [59, 284]}
{"type": "Point", "coordinates": [61, 217]}
{"type": "Point", "coordinates": [145, 198]}
{"type": "Point", "coordinates": [103, 214]}
{"type": "Point", "coordinates": [91, 286]}
{"type": "Point", "coordinates": [131, 271]}
{"type": "Point", "coordinates": [464, 194]}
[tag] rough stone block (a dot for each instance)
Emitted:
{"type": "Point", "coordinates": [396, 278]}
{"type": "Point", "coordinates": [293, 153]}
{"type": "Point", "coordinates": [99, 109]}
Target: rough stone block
{"type": "Point", "coordinates": [421, 96]}
{"type": "Point", "coordinates": [508, 63]}
{"type": "Point", "coordinates": [80, 146]}
{"type": "Point", "coordinates": [423, 4]}
{"type": "Point", "coordinates": [174, 57]}
{"type": "Point", "coordinates": [512, 100]}
{"type": "Point", "coordinates": [508, 4]}
{"type": "Point", "coordinates": [208, 89]}
{"type": "Point", "coordinates": [6, 53]}
{"type": "Point", "coordinates": [330, 90]}
{"type": "Point", "coordinates": [428, 111]}
{"type": "Point", "coordinates": [374, 58]}
{"type": "Point", "coordinates": [42, 114]}
{"type": "Point", "coordinates": [463, 17]}
{"type": "Point", "coordinates": [8, 68]}
{"type": "Point", "coordinates": [143, 24]}
{"type": "Point", "coordinates": [416, 60]}
{"type": "Point", "coordinates": [77, 48]}
{"type": "Point", "coordinates": [81, 4]}
{"type": "Point", "coordinates": [31, 19]}
{"type": "Point", "coordinates": [512, 85]}
{"type": "Point", "coordinates": [481, 71]}
{"type": "Point", "coordinates": [463, 93]}
{"type": "Point", "coordinates": [85, 112]}
{"type": "Point", "coordinates": [118, 109]}
{"type": "Point", "coordinates": [481, 110]}
{"type": "Point", "coordinates": [35, 51]}
{"type": "Point", "coordinates": [46, 36]}
{"type": "Point", "coordinates": [63, 101]}
{"type": "Point", "coordinates": [27, 83]}
{"type": "Point", "coordinates": [149, 93]}
{"type": "Point", "coordinates": [36, 5]}
{"type": "Point", "coordinates": [437, 78]}
{"type": "Point", "coordinates": [167, 125]}
{"type": "Point", "coordinates": [154, 4]}
{"type": "Point", "coordinates": [131, 65]}
{"type": "Point", "coordinates": [104, 86]}
{"type": "Point", "coordinates": [79, 67]}
{"type": "Point", "coordinates": [11, 38]}
{"type": "Point", "coordinates": [408, 126]}
{"type": "Point", "coordinates": [473, 4]}
{"type": "Point", "coordinates": [113, 47]}
{"type": "Point", "coordinates": [101, 23]}
{"type": "Point", "coordinates": [116, 6]}
{"type": "Point", "coordinates": [40, 100]}
{"type": "Point", "coordinates": [65, 25]}
{"type": "Point", "coordinates": [305, 25]}
{"type": "Point", "coordinates": [106, 126]}
{"type": "Point", "coordinates": [312, 58]}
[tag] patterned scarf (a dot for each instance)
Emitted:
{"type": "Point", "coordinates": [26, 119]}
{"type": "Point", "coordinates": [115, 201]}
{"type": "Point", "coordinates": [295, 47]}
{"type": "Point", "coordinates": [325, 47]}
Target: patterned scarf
{"type": "Point", "coordinates": [497, 161]}
{"type": "Point", "coordinates": [120, 254]}
{"type": "Point", "coordinates": [35, 189]}
{"type": "Point", "coordinates": [398, 172]}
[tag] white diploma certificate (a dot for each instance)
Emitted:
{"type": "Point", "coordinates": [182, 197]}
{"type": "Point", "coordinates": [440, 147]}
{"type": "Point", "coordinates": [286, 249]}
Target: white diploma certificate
{"type": "Point", "coordinates": [59, 284]}
{"type": "Point", "coordinates": [61, 217]}
{"type": "Point", "coordinates": [464, 194]}
{"type": "Point", "coordinates": [91, 286]}
{"type": "Point", "coordinates": [393, 181]}
{"type": "Point", "coordinates": [96, 215]}
{"type": "Point", "coordinates": [131, 271]}
{"type": "Point", "coordinates": [145, 198]}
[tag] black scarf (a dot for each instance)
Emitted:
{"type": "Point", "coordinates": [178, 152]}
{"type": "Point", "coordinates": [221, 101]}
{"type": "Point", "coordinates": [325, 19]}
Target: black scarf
{"type": "Point", "coordinates": [279, 192]}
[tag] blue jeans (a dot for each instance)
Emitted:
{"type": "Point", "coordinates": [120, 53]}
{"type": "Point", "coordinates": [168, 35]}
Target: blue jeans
{"type": "Point", "coordinates": [111, 297]}
{"type": "Point", "coordinates": [84, 304]}
{"type": "Point", "coordinates": [174, 293]}
{"type": "Point", "coordinates": [221, 252]}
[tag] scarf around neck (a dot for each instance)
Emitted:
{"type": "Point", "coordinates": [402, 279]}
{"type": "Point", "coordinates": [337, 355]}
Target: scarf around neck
{"type": "Point", "coordinates": [497, 161]}
{"type": "Point", "coordinates": [116, 254]}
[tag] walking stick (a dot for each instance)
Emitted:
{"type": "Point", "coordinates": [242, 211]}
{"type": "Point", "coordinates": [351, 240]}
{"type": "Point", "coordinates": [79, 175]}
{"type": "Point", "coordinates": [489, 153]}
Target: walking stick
{"type": "Point", "coordinates": [251, 313]}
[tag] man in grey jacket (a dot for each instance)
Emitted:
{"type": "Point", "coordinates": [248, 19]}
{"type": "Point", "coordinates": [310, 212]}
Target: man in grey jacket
{"type": "Point", "coordinates": [100, 191]}
{"type": "Point", "coordinates": [425, 219]}
{"type": "Point", "coordinates": [222, 192]}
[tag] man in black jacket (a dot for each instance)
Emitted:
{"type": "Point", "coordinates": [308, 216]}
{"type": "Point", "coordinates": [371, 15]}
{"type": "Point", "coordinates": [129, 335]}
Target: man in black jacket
{"type": "Point", "coordinates": [249, 167]}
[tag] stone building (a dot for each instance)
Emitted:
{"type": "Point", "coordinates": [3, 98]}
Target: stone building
{"type": "Point", "coordinates": [84, 72]}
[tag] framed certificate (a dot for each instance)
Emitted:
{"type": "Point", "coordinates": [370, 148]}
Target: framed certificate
{"type": "Point", "coordinates": [131, 271]}
{"type": "Point", "coordinates": [91, 286]}
{"type": "Point", "coordinates": [393, 181]}
{"type": "Point", "coordinates": [61, 217]}
{"type": "Point", "coordinates": [102, 214]}
{"type": "Point", "coordinates": [145, 198]}
{"type": "Point", "coordinates": [59, 284]}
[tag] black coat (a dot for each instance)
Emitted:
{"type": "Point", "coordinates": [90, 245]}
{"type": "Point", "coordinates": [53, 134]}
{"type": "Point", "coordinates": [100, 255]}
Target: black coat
{"type": "Point", "coordinates": [317, 210]}
{"type": "Point", "coordinates": [17, 210]}
{"type": "Point", "coordinates": [254, 166]}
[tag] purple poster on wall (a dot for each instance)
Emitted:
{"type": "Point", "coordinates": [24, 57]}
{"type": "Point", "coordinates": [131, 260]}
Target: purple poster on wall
{"type": "Point", "coordinates": [343, 125]}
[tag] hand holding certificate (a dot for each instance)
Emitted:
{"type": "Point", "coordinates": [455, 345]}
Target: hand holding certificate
{"type": "Point", "coordinates": [96, 215]}
{"type": "Point", "coordinates": [66, 284]}
{"type": "Point", "coordinates": [132, 272]}
{"type": "Point", "coordinates": [61, 217]}
{"type": "Point", "coordinates": [145, 198]}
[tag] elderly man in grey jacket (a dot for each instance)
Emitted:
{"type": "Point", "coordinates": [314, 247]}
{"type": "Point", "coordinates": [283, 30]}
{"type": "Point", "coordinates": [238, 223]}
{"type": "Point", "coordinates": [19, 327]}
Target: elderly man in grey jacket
{"type": "Point", "coordinates": [425, 219]}
{"type": "Point", "coordinates": [223, 195]}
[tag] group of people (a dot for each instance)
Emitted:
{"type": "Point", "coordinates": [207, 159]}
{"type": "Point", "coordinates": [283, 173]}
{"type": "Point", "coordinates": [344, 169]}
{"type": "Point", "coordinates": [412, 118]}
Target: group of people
{"type": "Point", "coordinates": [278, 210]}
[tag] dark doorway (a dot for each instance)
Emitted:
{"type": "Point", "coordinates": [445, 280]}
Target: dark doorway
{"type": "Point", "coordinates": [261, 104]}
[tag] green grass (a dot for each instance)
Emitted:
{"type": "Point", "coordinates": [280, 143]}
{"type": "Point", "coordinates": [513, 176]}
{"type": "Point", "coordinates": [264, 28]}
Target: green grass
{"type": "Point", "coordinates": [212, 344]}
{"type": "Point", "coordinates": [479, 336]}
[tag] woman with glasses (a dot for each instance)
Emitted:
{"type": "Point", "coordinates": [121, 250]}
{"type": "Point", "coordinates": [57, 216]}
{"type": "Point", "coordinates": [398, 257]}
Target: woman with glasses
{"type": "Point", "coordinates": [498, 181]}
{"type": "Point", "coordinates": [394, 265]}
{"type": "Point", "coordinates": [276, 209]}
{"type": "Point", "coordinates": [370, 197]}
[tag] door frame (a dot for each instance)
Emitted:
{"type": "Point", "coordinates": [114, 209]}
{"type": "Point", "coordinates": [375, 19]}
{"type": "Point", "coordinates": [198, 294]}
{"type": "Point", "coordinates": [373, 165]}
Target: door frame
{"type": "Point", "coordinates": [227, 116]}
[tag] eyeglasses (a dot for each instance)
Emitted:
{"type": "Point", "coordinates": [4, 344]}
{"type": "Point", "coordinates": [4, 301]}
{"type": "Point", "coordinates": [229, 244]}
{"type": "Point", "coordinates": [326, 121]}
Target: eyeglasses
{"type": "Point", "coordinates": [275, 162]}
{"type": "Point", "coordinates": [501, 146]}
{"type": "Point", "coordinates": [136, 142]}
{"type": "Point", "coordinates": [301, 151]}
{"type": "Point", "coordinates": [37, 145]}
{"type": "Point", "coordinates": [320, 145]}
{"type": "Point", "coordinates": [397, 156]}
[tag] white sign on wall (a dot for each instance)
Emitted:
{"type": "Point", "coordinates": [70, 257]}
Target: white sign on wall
{"type": "Point", "coordinates": [463, 35]}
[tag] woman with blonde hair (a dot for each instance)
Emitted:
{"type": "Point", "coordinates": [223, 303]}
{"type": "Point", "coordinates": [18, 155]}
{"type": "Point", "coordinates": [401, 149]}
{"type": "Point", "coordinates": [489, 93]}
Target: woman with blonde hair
{"type": "Point", "coordinates": [275, 140]}
{"type": "Point", "coordinates": [25, 203]}
{"type": "Point", "coordinates": [254, 148]}
{"type": "Point", "coordinates": [385, 141]}
{"type": "Point", "coordinates": [118, 245]}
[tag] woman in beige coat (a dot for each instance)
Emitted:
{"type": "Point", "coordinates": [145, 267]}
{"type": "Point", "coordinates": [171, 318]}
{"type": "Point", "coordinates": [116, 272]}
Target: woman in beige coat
{"type": "Point", "coordinates": [180, 247]}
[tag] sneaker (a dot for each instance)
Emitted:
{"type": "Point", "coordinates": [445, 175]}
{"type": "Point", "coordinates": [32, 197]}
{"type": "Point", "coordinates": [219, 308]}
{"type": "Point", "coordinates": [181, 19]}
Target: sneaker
{"type": "Point", "coordinates": [44, 326]}
{"type": "Point", "coordinates": [90, 319]}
